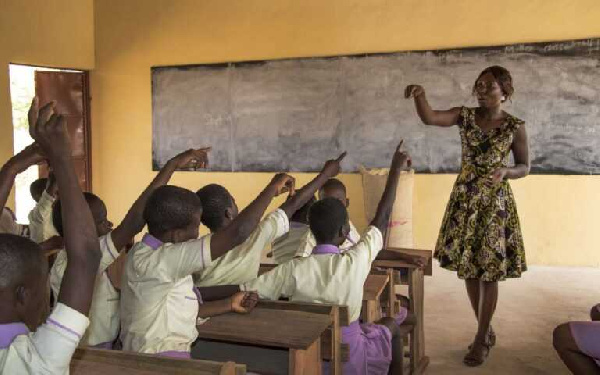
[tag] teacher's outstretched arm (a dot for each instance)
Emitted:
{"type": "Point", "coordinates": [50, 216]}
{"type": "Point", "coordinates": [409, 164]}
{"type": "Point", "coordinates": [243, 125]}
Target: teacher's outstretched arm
{"type": "Point", "coordinates": [428, 115]}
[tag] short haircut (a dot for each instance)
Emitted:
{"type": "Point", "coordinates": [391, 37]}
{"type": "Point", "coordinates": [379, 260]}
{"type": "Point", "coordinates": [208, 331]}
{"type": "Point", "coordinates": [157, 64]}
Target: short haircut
{"type": "Point", "coordinates": [90, 198]}
{"type": "Point", "coordinates": [19, 258]}
{"type": "Point", "coordinates": [215, 200]}
{"type": "Point", "coordinates": [326, 218]}
{"type": "Point", "coordinates": [502, 76]}
{"type": "Point", "coordinates": [301, 216]}
{"type": "Point", "coordinates": [334, 184]}
{"type": "Point", "coordinates": [37, 187]}
{"type": "Point", "coordinates": [169, 208]}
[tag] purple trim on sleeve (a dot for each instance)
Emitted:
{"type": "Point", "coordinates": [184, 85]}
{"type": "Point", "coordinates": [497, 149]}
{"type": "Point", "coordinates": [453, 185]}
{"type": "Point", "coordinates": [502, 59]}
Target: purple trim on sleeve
{"type": "Point", "coordinates": [151, 241]}
{"type": "Point", "coordinates": [175, 354]}
{"type": "Point", "coordinates": [52, 321]}
{"type": "Point", "coordinates": [9, 331]}
{"type": "Point", "coordinates": [198, 295]}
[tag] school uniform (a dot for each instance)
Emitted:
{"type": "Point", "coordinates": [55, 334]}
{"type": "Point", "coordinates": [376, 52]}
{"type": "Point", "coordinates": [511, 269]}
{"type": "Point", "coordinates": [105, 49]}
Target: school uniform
{"type": "Point", "coordinates": [159, 306]}
{"type": "Point", "coordinates": [331, 277]}
{"type": "Point", "coordinates": [48, 350]}
{"type": "Point", "coordinates": [285, 247]}
{"type": "Point", "coordinates": [40, 219]}
{"type": "Point", "coordinates": [104, 311]}
{"type": "Point", "coordinates": [309, 243]}
{"type": "Point", "coordinates": [242, 263]}
{"type": "Point", "coordinates": [587, 337]}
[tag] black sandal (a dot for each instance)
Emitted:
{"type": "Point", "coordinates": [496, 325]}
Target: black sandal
{"type": "Point", "coordinates": [473, 360]}
{"type": "Point", "coordinates": [491, 339]}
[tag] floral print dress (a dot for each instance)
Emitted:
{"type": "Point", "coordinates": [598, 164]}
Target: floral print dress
{"type": "Point", "coordinates": [480, 237]}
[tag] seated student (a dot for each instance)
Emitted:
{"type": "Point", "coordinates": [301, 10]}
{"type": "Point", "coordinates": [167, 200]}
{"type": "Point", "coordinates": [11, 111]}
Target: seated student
{"type": "Point", "coordinates": [160, 306]}
{"type": "Point", "coordinates": [285, 247]}
{"type": "Point", "coordinates": [329, 276]}
{"type": "Point", "coordinates": [104, 313]}
{"type": "Point", "coordinates": [578, 344]}
{"type": "Point", "coordinates": [220, 212]}
{"type": "Point", "coordinates": [31, 342]}
{"type": "Point", "coordinates": [37, 188]}
{"type": "Point", "coordinates": [40, 218]}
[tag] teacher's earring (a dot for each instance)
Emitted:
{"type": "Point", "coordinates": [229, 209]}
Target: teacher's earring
{"type": "Point", "coordinates": [503, 98]}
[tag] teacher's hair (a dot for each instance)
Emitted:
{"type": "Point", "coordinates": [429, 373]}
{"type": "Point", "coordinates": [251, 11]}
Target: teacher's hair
{"type": "Point", "coordinates": [502, 76]}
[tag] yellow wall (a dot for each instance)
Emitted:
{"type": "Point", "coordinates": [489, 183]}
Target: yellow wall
{"type": "Point", "coordinates": [558, 213]}
{"type": "Point", "coordinates": [53, 33]}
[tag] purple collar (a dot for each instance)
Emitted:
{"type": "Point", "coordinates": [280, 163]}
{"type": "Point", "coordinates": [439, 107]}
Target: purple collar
{"type": "Point", "coordinates": [9, 331]}
{"type": "Point", "coordinates": [326, 249]}
{"type": "Point", "coordinates": [150, 240]}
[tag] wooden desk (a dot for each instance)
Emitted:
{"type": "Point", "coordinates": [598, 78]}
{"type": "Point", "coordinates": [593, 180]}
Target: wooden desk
{"type": "Point", "coordinates": [90, 361]}
{"type": "Point", "coordinates": [373, 288]}
{"type": "Point", "coordinates": [297, 331]}
{"type": "Point", "coordinates": [416, 295]}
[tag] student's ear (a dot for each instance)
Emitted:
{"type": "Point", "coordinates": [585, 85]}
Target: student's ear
{"type": "Point", "coordinates": [21, 296]}
{"type": "Point", "coordinates": [347, 202]}
{"type": "Point", "coordinates": [345, 230]}
{"type": "Point", "coordinates": [229, 213]}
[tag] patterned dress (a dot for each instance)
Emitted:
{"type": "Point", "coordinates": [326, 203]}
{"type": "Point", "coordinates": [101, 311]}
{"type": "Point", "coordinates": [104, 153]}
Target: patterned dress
{"type": "Point", "coordinates": [480, 237]}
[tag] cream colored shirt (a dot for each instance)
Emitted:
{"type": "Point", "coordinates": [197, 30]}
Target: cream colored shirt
{"type": "Point", "coordinates": [336, 279]}
{"type": "Point", "coordinates": [307, 245]}
{"type": "Point", "coordinates": [104, 312]}
{"type": "Point", "coordinates": [46, 351]}
{"type": "Point", "coordinates": [40, 219]}
{"type": "Point", "coordinates": [242, 263]}
{"type": "Point", "coordinates": [159, 307]}
{"type": "Point", "coordinates": [285, 247]}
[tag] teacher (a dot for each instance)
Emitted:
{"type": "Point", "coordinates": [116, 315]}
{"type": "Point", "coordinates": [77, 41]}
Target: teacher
{"type": "Point", "coordinates": [480, 237]}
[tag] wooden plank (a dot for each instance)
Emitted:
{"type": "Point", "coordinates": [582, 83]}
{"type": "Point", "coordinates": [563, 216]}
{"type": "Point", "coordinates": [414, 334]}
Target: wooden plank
{"type": "Point", "coordinates": [306, 362]}
{"type": "Point", "coordinates": [428, 254]}
{"type": "Point", "coordinates": [90, 361]}
{"type": "Point", "coordinates": [267, 327]}
{"type": "Point", "coordinates": [416, 292]}
{"type": "Point", "coordinates": [374, 286]}
{"type": "Point", "coordinates": [316, 308]}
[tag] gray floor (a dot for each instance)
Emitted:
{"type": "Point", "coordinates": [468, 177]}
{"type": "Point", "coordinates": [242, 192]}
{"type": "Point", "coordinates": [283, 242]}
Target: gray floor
{"type": "Point", "coordinates": [528, 310]}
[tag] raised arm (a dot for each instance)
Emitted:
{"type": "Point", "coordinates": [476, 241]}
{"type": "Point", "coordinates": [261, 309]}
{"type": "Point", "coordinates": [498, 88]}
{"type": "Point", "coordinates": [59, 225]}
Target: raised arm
{"type": "Point", "coordinates": [19, 163]}
{"type": "Point", "coordinates": [244, 224]}
{"type": "Point", "coordinates": [134, 222]}
{"type": "Point", "coordinates": [299, 199]}
{"type": "Point", "coordinates": [430, 116]}
{"type": "Point", "coordinates": [384, 209]}
{"type": "Point", "coordinates": [81, 241]}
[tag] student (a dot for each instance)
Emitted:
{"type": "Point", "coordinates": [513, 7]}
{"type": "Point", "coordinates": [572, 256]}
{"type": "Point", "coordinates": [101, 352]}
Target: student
{"type": "Point", "coordinates": [220, 212]}
{"type": "Point", "coordinates": [37, 188]}
{"type": "Point", "coordinates": [328, 276]}
{"type": "Point", "coordinates": [285, 247]}
{"type": "Point", "coordinates": [333, 188]}
{"type": "Point", "coordinates": [104, 313]}
{"type": "Point", "coordinates": [578, 344]}
{"type": "Point", "coordinates": [40, 218]}
{"type": "Point", "coordinates": [30, 341]}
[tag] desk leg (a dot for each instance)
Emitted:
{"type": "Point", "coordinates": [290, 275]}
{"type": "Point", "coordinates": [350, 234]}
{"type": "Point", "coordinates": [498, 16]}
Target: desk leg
{"type": "Point", "coordinates": [391, 293]}
{"type": "Point", "coordinates": [336, 339]}
{"type": "Point", "coordinates": [306, 362]}
{"type": "Point", "coordinates": [416, 291]}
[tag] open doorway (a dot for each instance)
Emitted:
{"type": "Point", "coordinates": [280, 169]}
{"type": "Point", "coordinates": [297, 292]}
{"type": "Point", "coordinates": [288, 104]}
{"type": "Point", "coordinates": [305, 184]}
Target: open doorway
{"type": "Point", "coordinates": [70, 89]}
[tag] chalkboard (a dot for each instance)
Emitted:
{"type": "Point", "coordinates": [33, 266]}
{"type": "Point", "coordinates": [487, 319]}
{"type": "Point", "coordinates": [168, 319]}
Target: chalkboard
{"type": "Point", "coordinates": [291, 115]}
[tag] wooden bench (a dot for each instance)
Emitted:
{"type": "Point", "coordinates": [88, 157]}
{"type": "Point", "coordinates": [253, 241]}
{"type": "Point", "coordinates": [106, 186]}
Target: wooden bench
{"type": "Point", "coordinates": [298, 332]}
{"type": "Point", "coordinates": [373, 288]}
{"type": "Point", "coordinates": [90, 361]}
{"type": "Point", "coordinates": [415, 279]}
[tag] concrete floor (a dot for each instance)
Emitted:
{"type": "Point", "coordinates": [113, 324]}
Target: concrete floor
{"type": "Point", "coordinates": [528, 310]}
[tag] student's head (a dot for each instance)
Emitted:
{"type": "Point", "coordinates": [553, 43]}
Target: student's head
{"type": "Point", "coordinates": [173, 214]}
{"type": "Point", "coordinates": [493, 86]}
{"type": "Point", "coordinates": [98, 209]}
{"type": "Point", "coordinates": [301, 216]}
{"type": "Point", "coordinates": [24, 287]}
{"type": "Point", "coordinates": [37, 187]}
{"type": "Point", "coordinates": [328, 220]}
{"type": "Point", "coordinates": [334, 188]}
{"type": "Point", "coordinates": [218, 206]}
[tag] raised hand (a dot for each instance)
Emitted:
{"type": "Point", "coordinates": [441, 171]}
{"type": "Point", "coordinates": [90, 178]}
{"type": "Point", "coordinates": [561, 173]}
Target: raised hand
{"type": "Point", "coordinates": [49, 130]}
{"type": "Point", "coordinates": [332, 167]}
{"type": "Point", "coordinates": [282, 183]}
{"type": "Point", "coordinates": [401, 158]}
{"type": "Point", "coordinates": [244, 302]}
{"type": "Point", "coordinates": [192, 158]}
{"type": "Point", "coordinates": [412, 91]}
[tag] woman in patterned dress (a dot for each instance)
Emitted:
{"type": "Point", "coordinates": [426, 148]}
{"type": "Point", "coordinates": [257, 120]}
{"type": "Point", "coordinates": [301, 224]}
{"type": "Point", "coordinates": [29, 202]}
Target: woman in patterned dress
{"type": "Point", "coordinates": [480, 237]}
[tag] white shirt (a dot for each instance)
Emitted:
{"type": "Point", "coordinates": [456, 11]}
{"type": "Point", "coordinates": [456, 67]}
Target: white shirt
{"type": "Point", "coordinates": [159, 307]}
{"type": "Point", "coordinates": [309, 242]}
{"type": "Point", "coordinates": [46, 351]}
{"type": "Point", "coordinates": [41, 227]}
{"type": "Point", "coordinates": [336, 279]}
{"type": "Point", "coordinates": [285, 247]}
{"type": "Point", "coordinates": [242, 263]}
{"type": "Point", "coordinates": [104, 311]}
